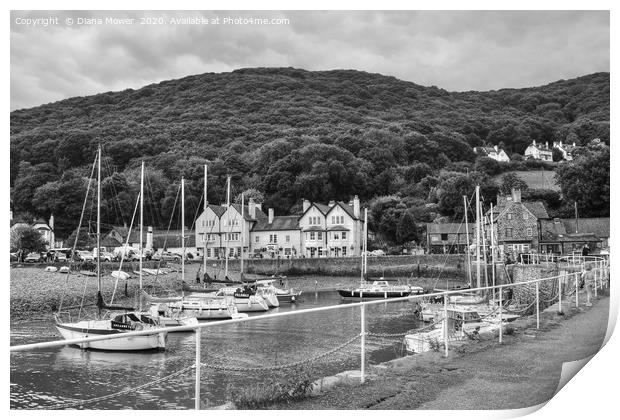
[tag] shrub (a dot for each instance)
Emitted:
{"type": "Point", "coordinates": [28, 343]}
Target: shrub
{"type": "Point", "coordinates": [287, 386]}
{"type": "Point", "coordinates": [509, 330]}
{"type": "Point", "coordinates": [434, 344]}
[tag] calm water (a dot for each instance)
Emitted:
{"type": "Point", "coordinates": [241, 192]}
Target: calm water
{"type": "Point", "coordinates": [43, 378]}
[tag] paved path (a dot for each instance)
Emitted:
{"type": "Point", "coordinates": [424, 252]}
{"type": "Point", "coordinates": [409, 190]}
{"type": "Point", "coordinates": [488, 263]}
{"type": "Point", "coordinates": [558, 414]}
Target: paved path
{"type": "Point", "coordinates": [522, 372]}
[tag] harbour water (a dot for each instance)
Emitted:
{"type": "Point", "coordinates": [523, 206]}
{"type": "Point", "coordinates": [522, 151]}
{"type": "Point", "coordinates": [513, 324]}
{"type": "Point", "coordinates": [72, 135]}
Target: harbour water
{"type": "Point", "coordinates": [47, 378]}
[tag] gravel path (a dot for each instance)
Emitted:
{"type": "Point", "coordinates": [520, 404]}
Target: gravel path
{"type": "Point", "coordinates": [521, 372]}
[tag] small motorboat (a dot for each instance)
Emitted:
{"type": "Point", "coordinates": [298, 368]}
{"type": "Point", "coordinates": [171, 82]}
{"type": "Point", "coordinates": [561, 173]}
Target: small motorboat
{"type": "Point", "coordinates": [379, 289]}
{"type": "Point", "coordinates": [283, 295]}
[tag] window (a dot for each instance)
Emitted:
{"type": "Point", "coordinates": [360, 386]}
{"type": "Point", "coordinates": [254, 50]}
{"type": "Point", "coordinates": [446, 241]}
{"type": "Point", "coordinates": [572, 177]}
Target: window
{"type": "Point", "coordinates": [333, 220]}
{"type": "Point", "coordinates": [287, 251]}
{"type": "Point", "coordinates": [336, 236]}
{"type": "Point", "coordinates": [288, 238]}
{"type": "Point", "coordinates": [273, 239]}
{"type": "Point", "coordinates": [319, 236]}
{"type": "Point", "coordinates": [257, 239]}
{"type": "Point", "coordinates": [509, 232]}
{"type": "Point", "coordinates": [344, 235]}
{"type": "Point", "coordinates": [529, 231]}
{"type": "Point", "coordinates": [312, 236]}
{"type": "Point", "coordinates": [344, 251]}
{"type": "Point", "coordinates": [444, 236]}
{"type": "Point", "coordinates": [320, 251]}
{"type": "Point", "coordinates": [208, 252]}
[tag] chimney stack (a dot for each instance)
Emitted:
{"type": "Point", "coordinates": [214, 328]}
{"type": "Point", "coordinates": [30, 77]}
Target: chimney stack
{"type": "Point", "coordinates": [496, 149]}
{"type": "Point", "coordinates": [270, 216]}
{"type": "Point", "coordinates": [356, 207]}
{"type": "Point", "coordinates": [149, 237]}
{"type": "Point", "coordinates": [332, 203]}
{"type": "Point", "coordinates": [534, 142]}
{"type": "Point", "coordinates": [305, 205]}
{"type": "Point", "coordinates": [252, 208]}
{"type": "Point", "coordinates": [516, 195]}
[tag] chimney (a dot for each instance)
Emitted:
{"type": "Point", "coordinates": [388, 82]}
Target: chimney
{"type": "Point", "coordinates": [305, 205]}
{"type": "Point", "coordinates": [149, 238]}
{"type": "Point", "coordinates": [252, 208]}
{"type": "Point", "coordinates": [516, 195]}
{"type": "Point", "coordinates": [270, 216]}
{"type": "Point", "coordinates": [547, 144]}
{"type": "Point", "coordinates": [332, 203]}
{"type": "Point", "coordinates": [496, 149]}
{"type": "Point", "coordinates": [534, 142]}
{"type": "Point", "coordinates": [574, 144]}
{"type": "Point", "coordinates": [556, 221]}
{"type": "Point", "coordinates": [356, 207]}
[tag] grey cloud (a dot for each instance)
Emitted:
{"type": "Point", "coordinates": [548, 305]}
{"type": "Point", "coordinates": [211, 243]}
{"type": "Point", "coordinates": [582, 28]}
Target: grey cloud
{"type": "Point", "coordinates": [467, 50]}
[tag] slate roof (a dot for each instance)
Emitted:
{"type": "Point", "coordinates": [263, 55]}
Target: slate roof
{"type": "Point", "coordinates": [550, 231]}
{"type": "Point", "coordinates": [338, 228]}
{"type": "Point", "coordinates": [323, 208]}
{"type": "Point", "coordinates": [596, 225]}
{"type": "Point", "coordinates": [537, 208]}
{"type": "Point", "coordinates": [279, 223]}
{"type": "Point", "coordinates": [314, 229]}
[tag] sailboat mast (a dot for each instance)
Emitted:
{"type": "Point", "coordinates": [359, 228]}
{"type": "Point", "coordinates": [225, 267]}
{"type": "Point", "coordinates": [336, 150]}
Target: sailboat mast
{"type": "Point", "coordinates": [204, 235]}
{"type": "Point", "coordinates": [484, 251]}
{"type": "Point", "coordinates": [478, 236]}
{"type": "Point", "coordinates": [467, 236]}
{"type": "Point", "coordinates": [363, 255]}
{"type": "Point", "coordinates": [183, 229]}
{"type": "Point", "coordinates": [242, 237]}
{"type": "Point", "coordinates": [492, 249]}
{"type": "Point", "coordinates": [227, 223]}
{"type": "Point", "coordinates": [365, 241]}
{"type": "Point", "coordinates": [98, 219]}
{"type": "Point", "coordinates": [141, 225]}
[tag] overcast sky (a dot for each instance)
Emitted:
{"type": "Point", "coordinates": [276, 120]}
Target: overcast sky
{"type": "Point", "coordinates": [453, 50]}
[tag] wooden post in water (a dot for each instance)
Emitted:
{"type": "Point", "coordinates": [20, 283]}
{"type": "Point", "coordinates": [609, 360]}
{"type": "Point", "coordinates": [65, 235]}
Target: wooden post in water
{"type": "Point", "coordinates": [197, 390]}
{"type": "Point", "coordinates": [363, 342]}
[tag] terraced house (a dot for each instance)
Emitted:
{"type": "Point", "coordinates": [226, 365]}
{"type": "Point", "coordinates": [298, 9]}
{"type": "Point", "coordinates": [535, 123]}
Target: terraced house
{"type": "Point", "coordinates": [332, 230]}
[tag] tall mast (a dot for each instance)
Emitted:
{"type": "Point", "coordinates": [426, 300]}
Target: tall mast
{"type": "Point", "coordinates": [98, 219]}
{"type": "Point", "coordinates": [363, 255]}
{"type": "Point", "coordinates": [242, 237]}
{"type": "Point", "coordinates": [492, 249]}
{"type": "Point", "coordinates": [478, 236]}
{"type": "Point", "coordinates": [467, 236]}
{"type": "Point", "coordinates": [183, 229]}
{"type": "Point", "coordinates": [365, 241]}
{"type": "Point", "coordinates": [141, 226]}
{"type": "Point", "coordinates": [484, 251]}
{"type": "Point", "coordinates": [227, 223]}
{"type": "Point", "coordinates": [204, 235]}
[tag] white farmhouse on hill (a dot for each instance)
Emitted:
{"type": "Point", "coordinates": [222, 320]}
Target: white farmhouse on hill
{"type": "Point", "coordinates": [539, 152]}
{"type": "Point", "coordinates": [493, 153]}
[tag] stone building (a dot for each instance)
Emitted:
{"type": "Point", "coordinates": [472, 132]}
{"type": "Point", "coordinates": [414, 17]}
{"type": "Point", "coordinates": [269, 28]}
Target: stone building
{"type": "Point", "coordinates": [539, 152]}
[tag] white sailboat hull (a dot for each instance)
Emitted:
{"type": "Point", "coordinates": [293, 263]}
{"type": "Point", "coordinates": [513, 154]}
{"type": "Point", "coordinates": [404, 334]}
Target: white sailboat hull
{"type": "Point", "coordinates": [86, 329]}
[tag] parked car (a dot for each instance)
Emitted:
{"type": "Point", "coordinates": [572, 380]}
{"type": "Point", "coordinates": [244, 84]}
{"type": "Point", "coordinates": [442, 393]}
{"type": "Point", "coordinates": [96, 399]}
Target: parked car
{"type": "Point", "coordinates": [377, 253]}
{"type": "Point", "coordinates": [33, 257]}
{"type": "Point", "coordinates": [107, 256]}
{"type": "Point", "coordinates": [13, 256]}
{"type": "Point", "coordinates": [85, 256]}
{"type": "Point", "coordinates": [60, 256]}
{"type": "Point", "coordinates": [166, 256]}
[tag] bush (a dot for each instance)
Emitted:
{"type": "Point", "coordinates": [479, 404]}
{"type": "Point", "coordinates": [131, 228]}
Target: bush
{"type": "Point", "coordinates": [509, 330]}
{"type": "Point", "coordinates": [286, 387]}
{"type": "Point", "coordinates": [434, 344]}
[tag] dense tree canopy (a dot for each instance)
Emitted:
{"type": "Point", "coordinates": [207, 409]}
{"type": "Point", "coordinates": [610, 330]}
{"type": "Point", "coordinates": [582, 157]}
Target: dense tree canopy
{"type": "Point", "coordinates": [289, 134]}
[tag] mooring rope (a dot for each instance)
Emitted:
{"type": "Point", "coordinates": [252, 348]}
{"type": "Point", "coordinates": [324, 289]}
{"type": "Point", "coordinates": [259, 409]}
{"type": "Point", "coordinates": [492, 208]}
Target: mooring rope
{"type": "Point", "coordinates": [291, 365]}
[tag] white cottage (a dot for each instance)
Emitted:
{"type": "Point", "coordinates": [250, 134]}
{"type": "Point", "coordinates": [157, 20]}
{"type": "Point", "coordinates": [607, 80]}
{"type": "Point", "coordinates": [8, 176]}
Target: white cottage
{"type": "Point", "coordinates": [539, 152]}
{"type": "Point", "coordinates": [333, 230]}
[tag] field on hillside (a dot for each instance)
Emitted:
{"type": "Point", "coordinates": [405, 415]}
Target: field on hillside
{"type": "Point", "coordinates": [537, 179]}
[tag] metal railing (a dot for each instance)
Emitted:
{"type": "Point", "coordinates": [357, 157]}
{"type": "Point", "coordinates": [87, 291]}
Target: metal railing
{"type": "Point", "coordinates": [600, 269]}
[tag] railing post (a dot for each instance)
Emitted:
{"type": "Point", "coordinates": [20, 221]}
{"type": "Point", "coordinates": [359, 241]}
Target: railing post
{"type": "Point", "coordinates": [197, 396]}
{"type": "Point", "coordinates": [445, 320]}
{"type": "Point", "coordinates": [560, 294]}
{"type": "Point", "coordinates": [577, 290]}
{"type": "Point", "coordinates": [363, 345]}
{"type": "Point", "coordinates": [501, 304]}
{"type": "Point", "coordinates": [595, 282]}
{"type": "Point", "coordinates": [537, 305]}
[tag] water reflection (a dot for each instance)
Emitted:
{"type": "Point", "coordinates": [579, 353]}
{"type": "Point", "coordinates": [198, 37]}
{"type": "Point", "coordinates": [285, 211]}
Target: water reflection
{"type": "Point", "coordinates": [42, 378]}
